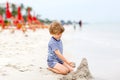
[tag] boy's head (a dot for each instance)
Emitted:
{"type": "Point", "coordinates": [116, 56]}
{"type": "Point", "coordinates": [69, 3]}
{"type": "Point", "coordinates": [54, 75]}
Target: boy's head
{"type": "Point", "coordinates": [56, 28]}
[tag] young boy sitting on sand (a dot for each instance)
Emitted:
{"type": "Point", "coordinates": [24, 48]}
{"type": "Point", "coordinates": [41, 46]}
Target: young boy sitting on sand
{"type": "Point", "coordinates": [56, 61]}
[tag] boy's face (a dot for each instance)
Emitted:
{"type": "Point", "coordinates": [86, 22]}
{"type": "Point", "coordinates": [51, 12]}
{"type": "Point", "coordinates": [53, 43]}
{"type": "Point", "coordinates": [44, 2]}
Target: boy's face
{"type": "Point", "coordinates": [57, 36]}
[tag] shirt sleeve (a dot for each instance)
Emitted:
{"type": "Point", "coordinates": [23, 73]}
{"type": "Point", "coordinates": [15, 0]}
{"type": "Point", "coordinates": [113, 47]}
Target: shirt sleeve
{"type": "Point", "coordinates": [54, 47]}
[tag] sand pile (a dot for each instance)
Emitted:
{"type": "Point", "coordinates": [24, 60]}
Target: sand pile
{"type": "Point", "coordinates": [82, 72]}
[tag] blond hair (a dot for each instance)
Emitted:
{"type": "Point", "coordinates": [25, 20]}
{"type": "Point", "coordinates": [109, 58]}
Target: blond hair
{"type": "Point", "coordinates": [56, 28]}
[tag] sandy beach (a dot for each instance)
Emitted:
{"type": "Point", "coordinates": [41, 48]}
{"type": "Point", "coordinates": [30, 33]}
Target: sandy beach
{"type": "Point", "coordinates": [23, 56]}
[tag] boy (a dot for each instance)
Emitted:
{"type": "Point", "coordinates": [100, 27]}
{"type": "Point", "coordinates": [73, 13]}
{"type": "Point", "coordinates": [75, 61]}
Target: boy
{"type": "Point", "coordinates": [56, 61]}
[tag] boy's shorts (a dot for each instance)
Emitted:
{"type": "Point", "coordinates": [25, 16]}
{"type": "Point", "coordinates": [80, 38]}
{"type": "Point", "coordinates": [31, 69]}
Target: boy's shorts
{"type": "Point", "coordinates": [52, 64]}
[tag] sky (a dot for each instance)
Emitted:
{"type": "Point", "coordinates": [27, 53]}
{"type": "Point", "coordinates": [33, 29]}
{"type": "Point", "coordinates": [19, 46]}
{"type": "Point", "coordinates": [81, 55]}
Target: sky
{"type": "Point", "coordinates": [75, 10]}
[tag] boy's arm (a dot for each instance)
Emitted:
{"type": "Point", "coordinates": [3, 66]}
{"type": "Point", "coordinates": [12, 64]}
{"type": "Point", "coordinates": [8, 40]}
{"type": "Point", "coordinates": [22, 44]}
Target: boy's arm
{"type": "Point", "coordinates": [57, 52]}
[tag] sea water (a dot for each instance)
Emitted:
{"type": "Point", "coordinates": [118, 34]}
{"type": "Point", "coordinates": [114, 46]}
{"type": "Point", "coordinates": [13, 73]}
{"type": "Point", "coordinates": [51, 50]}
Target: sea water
{"type": "Point", "coordinates": [100, 44]}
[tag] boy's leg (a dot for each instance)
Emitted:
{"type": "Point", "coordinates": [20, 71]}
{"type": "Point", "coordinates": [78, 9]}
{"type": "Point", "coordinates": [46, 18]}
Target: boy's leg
{"type": "Point", "coordinates": [60, 69]}
{"type": "Point", "coordinates": [68, 67]}
{"type": "Point", "coordinates": [54, 70]}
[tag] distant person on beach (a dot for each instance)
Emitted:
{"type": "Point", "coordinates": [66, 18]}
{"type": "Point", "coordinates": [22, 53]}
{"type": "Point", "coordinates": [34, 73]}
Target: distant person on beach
{"type": "Point", "coordinates": [80, 23]}
{"type": "Point", "coordinates": [74, 25]}
{"type": "Point", "coordinates": [56, 61]}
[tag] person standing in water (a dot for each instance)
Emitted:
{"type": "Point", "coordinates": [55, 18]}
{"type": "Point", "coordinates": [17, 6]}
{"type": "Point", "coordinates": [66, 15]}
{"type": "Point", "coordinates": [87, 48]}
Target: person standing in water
{"type": "Point", "coordinates": [80, 23]}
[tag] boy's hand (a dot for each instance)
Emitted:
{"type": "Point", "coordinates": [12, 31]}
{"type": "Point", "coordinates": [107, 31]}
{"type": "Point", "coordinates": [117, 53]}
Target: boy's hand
{"type": "Point", "coordinates": [72, 64]}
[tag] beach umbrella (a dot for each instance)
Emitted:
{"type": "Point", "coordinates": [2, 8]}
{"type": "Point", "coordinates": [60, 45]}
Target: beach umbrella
{"type": "Point", "coordinates": [19, 14]}
{"type": "Point", "coordinates": [34, 18]}
{"type": "Point", "coordinates": [29, 16]}
{"type": "Point", "coordinates": [8, 13]}
{"type": "Point", "coordinates": [1, 20]}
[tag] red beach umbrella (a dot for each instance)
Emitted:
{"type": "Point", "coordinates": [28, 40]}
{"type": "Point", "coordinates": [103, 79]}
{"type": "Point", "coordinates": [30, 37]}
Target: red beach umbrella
{"type": "Point", "coordinates": [1, 20]}
{"type": "Point", "coordinates": [29, 17]}
{"type": "Point", "coordinates": [34, 18]}
{"type": "Point", "coordinates": [8, 13]}
{"type": "Point", "coordinates": [19, 14]}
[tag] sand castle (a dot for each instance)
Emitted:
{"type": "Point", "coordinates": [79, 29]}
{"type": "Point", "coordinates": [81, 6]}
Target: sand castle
{"type": "Point", "coordinates": [82, 72]}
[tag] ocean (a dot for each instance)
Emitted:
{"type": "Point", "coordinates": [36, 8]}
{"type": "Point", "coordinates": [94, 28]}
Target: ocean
{"type": "Point", "coordinates": [100, 44]}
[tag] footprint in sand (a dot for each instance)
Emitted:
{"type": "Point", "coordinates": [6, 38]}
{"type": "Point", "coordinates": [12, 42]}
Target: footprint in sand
{"type": "Point", "coordinates": [20, 68]}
